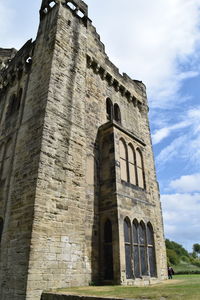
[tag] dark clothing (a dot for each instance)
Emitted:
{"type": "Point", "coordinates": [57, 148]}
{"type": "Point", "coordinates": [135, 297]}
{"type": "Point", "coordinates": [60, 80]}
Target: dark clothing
{"type": "Point", "coordinates": [170, 272]}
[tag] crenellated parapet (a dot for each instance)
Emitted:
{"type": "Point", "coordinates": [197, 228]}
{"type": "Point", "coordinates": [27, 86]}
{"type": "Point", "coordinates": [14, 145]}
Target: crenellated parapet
{"type": "Point", "coordinates": [118, 83]}
{"type": "Point", "coordinates": [19, 64]}
{"type": "Point", "coordinates": [78, 7]}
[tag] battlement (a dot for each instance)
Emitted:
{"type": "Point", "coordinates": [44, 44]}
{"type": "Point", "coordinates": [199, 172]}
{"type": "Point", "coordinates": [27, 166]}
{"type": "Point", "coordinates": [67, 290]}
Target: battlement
{"type": "Point", "coordinates": [78, 7]}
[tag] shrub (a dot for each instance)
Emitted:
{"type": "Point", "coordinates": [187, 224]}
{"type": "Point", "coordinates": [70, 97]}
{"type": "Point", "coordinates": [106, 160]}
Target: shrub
{"type": "Point", "coordinates": [172, 257]}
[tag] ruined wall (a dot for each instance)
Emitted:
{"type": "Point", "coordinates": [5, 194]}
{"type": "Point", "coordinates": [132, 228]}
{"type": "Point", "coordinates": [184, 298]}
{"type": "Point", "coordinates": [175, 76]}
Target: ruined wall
{"type": "Point", "coordinates": [5, 56]}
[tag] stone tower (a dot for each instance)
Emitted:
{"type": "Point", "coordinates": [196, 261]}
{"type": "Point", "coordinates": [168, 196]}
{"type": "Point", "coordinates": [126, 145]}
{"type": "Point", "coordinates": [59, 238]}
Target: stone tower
{"type": "Point", "coordinates": [79, 200]}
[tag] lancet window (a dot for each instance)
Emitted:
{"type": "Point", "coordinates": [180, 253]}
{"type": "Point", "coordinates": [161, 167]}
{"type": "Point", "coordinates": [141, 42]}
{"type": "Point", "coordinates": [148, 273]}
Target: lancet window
{"type": "Point", "coordinates": [131, 164]}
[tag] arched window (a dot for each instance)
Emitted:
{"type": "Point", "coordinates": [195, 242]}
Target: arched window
{"type": "Point", "coordinates": [136, 256]}
{"type": "Point", "coordinates": [117, 113]}
{"type": "Point", "coordinates": [142, 246]}
{"type": "Point", "coordinates": [131, 164]}
{"type": "Point", "coordinates": [140, 169]}
{"type": "Point", "coordinates": [109, 109]}
{"type": "Point", "coordinates": [128, 248]}
{"type": "Point", "coordinates": [108, 251]}
{"type": "Point", "coordinates": [151, 250]}
{"type": "Point", "coordinates": [1, 228]}
{"type": "Point", "coordinates": [123, 160]}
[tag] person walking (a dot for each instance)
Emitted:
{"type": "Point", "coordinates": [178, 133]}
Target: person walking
{"type": "Point", "coordinates": [170, 272]}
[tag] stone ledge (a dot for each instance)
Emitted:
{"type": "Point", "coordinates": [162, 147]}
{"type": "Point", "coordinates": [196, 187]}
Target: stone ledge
{"type": "Point", "coordinates": [62, 296]}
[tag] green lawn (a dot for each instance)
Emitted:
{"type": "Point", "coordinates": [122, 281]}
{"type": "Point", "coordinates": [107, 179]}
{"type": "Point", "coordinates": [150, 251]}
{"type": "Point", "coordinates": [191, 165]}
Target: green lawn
{"type": "Point", "coordinates": [181, 287]}
{"type": "Point", "coordinates": [183, 266]}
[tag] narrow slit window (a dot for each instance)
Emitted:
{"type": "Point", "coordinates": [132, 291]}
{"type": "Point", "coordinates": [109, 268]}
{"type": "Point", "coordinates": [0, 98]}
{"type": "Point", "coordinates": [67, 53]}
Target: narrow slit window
{"type": "Point", "coordinates": [109, 109]}
{"type": "Point", "coordinates": [117, 113]}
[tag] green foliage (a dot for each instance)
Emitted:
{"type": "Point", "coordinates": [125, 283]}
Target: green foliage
{"type": "Point", "coordinates": [196, 248]}
{"type": "Point", "coordinates": [180, 251]}
{"type": "Point", "coordinates": [185, 259]}
{"type": "Point", "coordinates": [195, 262]}
{"type": "Point", "coordinates": [172, 257]}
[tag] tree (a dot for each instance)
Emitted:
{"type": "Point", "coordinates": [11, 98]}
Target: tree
{"type": "Point", "coordinates": [196, 248]}
{"type": "Point", "coordinates": [172, 257]}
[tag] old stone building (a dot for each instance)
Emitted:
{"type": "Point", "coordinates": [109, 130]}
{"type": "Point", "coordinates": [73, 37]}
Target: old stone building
{"type": "Point", "coordinates": [79, 200]}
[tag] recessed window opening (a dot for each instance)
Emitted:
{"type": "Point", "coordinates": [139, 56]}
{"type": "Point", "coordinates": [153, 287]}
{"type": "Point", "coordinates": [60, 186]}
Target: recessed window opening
{"type": "Point", "coordinates": [71, 5]}
{"type": "Point", "coordinates": [109, 109]}
{"type": "Point", "coordinates": [52, 4]}
{"type": "Point", "coordinates": [45, 10]}
{"type": "Point", "coordinates": [29, 60]}
{"type": "Point", "coordinates": [117, 113]}
{"type": "Point", "coordinates": [80, 14]}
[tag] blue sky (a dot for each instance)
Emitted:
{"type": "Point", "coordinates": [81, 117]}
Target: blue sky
{"type": "Point", "coordinates": [158, 42]}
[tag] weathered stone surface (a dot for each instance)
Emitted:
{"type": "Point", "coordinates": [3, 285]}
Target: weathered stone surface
{"type": "Point", "coordinates": [60, 162]}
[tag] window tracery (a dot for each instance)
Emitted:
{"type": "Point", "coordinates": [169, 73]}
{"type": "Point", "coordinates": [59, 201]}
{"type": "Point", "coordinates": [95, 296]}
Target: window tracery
{"type": "Point", "coordinates": [131, 164]}
{"type": "Point", "coordinates": [139, 249]}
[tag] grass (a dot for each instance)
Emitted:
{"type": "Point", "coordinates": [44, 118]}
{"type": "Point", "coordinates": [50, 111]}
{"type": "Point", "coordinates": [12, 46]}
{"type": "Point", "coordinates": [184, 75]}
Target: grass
{"type": "Point", "coordinates": [181, 287]}
{"type": "Point", "coordinates": [185, 267]}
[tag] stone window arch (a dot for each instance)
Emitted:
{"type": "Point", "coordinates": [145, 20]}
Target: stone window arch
{"type": "Point", "coordinates": [140, 169]}
{"type": "Point", "coordinates": [123, 160]}
{"type": "Point", "coordinates": [109, 109]}
{"type": "Point", "coordinates": [1, 228]}
{"type": "Point", "coordinates": [151, 250]}
{"type": "Point", "coordinates": [128, 248]}
{"type": "Point", "coordinates": [132, 164]}
{"type": "Point", "coordinates": [117, 113]}
{"type": "Point", "coordinates": [108, 250]}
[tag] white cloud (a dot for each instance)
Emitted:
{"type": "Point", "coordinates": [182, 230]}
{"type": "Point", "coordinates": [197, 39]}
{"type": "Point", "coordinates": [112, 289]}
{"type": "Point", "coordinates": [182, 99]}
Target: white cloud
{"type": "Point", "coordinates": [181, 217]}
{"type": "Point", "coordinates": [152, 40]}
{"type": "Point", "coordinates": [162, 133]}
{"type": "Point", "coordinates": [187, 183]}
{"type": "Point", "coordinates": [186, 144]}
{"type": "Point", "coordinates": [171, 151]}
